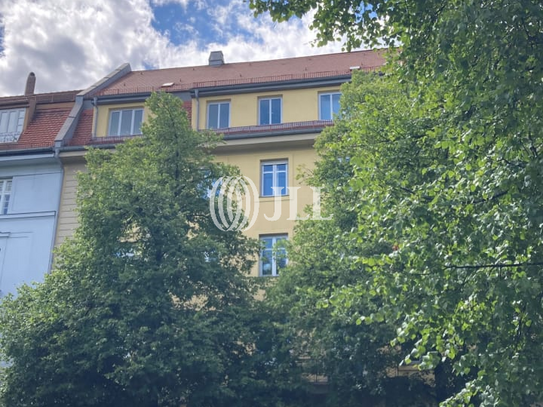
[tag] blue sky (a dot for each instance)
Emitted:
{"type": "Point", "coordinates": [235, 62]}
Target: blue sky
{"type": "Point", "coordinates": [70, 44]}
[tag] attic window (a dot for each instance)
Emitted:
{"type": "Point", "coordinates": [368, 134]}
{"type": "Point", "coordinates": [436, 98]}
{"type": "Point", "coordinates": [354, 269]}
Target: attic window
{"type": "Point", "coordinates": [166, 85]}
{"type": "Point", "coordinates": [11, 125]}
{"type": "Point", "coordinates": [125, 122]}
{"type": "Point", "coordinates": [354, 68]}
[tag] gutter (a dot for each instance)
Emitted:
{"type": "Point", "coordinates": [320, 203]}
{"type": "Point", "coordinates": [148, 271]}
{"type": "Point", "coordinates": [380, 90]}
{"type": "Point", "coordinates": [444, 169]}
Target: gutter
{"type": "Point", "coordinates": [276, 133]}
{"type": "Point", "coordinates": [86, 147]}
{"type": "Point", "coordinates": [197, 96]}
{"type": "Point", "coordinates": [44, 152]}
{"type": "Point", "coordinates": [272, 86]}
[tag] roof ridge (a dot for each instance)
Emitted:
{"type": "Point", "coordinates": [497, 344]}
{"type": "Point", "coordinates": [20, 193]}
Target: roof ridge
{"type": "Point", "coordinates": [39, 94]}
{"type": "Point", "coordinates": [263, 60]}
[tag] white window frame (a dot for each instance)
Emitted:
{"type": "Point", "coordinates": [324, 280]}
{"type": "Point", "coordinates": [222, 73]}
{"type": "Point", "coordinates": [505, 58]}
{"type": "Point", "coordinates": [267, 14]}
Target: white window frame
{"type": "Point", "coordinates": [330, 95]}
{"type": "Point", "coordinates": [219, 103]}
{"type": "Point", "coordinates": [6, 186]}
{"type": "Point", "coordinates": [260, 100]}
{"type": "Point", "coordinates": [120, 111]}
{"type": "Point", "coordinates": [274, 240]}
{"type": "Point", "coordinates": [275, 175]}
{"type": "Point", "coordinates": [6, 117]}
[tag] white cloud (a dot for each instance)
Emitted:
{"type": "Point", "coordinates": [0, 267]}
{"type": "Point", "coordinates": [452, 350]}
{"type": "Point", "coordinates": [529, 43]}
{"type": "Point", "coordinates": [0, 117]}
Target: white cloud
{"type": "Point", "coordinates": [70, 44]}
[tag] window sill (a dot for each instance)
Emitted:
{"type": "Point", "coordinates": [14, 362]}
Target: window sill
{"type": "Point", "coordinates": [273, 198]}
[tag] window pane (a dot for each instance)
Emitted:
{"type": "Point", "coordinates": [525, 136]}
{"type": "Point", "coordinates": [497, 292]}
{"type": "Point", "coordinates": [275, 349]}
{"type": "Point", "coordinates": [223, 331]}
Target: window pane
{"type": "Point", "coordinates": [335, 103]}
{"type": "Point", "coordinates": [268, 242]}
{"type": "Point", "coordinates": [21, 121]}
{"type": "Point", "coordinates": [213, 116]}
{"type": "Point", "coordinates": [224, 115]}
{"type": "Point", "coordinates": [268, 184]}
{"type": "Point", "coordinates": [264, 111]}
{"type": "Point", "coordinates": [281, 167]}
{"type": "Point", "coordinates": [114, 124]}
{"type": "Point", "coordinates": [281, 258]}
{"type": "Point", "coordinates": [266, 262]}
{"type": "Point", "coordinates": [276, 111]}
{"type": "Point", "coordinates": [138, 118]}
{"type": "Point", "coordinates": [4, 118]}
{"type": "Point", "coordinates": [325, 107]}
{"type": "Point", "coordinates": [282, 182]}
{"type": "Point", "coordinates": [13, 119]}
{"type": "Point", "coordinates": [5, 190]}
{"type": "Point", "coordinates": [126, 123]}
{"type": "Point", "coordinates": [5, 205]}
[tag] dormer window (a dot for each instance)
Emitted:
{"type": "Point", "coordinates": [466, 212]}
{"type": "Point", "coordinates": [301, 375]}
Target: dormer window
{"type": "Point", "coordinates": [329, 105]}
{"type": "Point", "coordinates": [218, 115]}
{"type": "Point", "coordinates": [11, 124]}
{"type": "Point", "coordinates": [125, 122]}
{"type": "Point", "coordinates": [269, 111]}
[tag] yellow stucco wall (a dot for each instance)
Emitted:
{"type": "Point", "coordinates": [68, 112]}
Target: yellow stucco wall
{"type": "Point", "coordinates": [100, 124]}
{"type": "Point", "coordinates": [67, 216]}
{"type": "Point", "coordinates": [249, 163]}
{"type": "Point", "coordinates": [298, 105]}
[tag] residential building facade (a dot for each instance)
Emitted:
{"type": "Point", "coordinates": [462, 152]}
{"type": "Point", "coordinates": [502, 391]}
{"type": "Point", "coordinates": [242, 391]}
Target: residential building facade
{"type": "Point", "coordinates": [30, 183]}
{"type": "Point", "coordinates": [270, 113]}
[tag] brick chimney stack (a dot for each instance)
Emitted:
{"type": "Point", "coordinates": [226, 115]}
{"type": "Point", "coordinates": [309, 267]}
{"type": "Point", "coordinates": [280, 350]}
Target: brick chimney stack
{"type": "Point", "coordinates": [30, 84]}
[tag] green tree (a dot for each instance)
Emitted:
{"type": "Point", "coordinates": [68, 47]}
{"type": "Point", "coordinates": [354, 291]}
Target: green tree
{"type": "Point", "coordinates": [460, 212]}
{"type": "Point", "coordinates": [456, 185]}
{"type": "Point", "coordinates": [350, 345]}
{"type": "Point", "coordinates": [149, 304]}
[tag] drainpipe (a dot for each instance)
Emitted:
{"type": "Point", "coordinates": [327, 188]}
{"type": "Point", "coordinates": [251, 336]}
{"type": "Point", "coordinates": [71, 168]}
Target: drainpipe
{"type": "Point", "coordinates": [197, 110]}
{"type": "Point", "coordinates": [56, 152]}
{"type": "Point", "coordinates": [95, 104]}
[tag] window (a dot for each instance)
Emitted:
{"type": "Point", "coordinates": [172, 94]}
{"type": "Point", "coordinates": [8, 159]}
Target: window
{"type": "Point", "coordinates": [126, 122]}
{"type": "Point", "coordinates": [218, 115]}
{"type": "Point", "coordinates": [272, 258]}
{"type": "Point", "coordinates": [11, 122]}
{"type": "Point", "coordinates": [5, 194]}
{"type": "Point", "coordinates": [274, 178]}
{"type": "Point", "coordinates": [269, 111]}
{"type": "Point", "coordinates": [328, 105]}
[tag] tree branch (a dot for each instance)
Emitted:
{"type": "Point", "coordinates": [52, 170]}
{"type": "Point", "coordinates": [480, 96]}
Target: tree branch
{"type": "Point", "coordinates": [498, 265]}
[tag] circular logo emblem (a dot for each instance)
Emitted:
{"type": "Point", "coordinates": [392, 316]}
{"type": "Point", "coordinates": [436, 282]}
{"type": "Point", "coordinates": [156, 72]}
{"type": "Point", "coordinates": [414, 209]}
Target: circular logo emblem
{"type": "Point", "coordinates": [233, 203]}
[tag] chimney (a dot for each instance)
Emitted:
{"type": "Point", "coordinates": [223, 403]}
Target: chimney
{"type": "Point", "coordinates": [30, 84]}
{"type": "Point", "coordinates": [216, 58]}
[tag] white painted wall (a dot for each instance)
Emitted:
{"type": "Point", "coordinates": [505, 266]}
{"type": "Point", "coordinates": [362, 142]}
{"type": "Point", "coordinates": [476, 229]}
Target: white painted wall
{"type": "Point", "coordinates": [27, 231]}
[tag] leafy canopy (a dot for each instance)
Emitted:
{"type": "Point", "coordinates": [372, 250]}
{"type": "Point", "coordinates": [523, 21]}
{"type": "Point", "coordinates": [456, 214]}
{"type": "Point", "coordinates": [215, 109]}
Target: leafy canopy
{"type": "Point", "coordinates": [149, 304]}
{"type": "Point", "coordinates": [453, 182]}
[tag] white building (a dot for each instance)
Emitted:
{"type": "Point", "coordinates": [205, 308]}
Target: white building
{"type": "Point", "coordinates": [30, 183]}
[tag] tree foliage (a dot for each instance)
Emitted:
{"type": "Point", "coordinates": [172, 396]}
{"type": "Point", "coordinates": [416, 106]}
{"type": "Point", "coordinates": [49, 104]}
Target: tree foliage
{"type": "Point", "coordinates": [452, 180]}
{"type": "Point", "coordinates": [149, 304]}
{"type": "Point", "coordinates": [460, 210]}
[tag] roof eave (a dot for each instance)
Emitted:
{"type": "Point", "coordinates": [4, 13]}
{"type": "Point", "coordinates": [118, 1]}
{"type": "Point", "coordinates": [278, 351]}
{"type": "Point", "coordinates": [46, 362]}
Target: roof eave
{"type": "Point", "coordinates": [271, 86]}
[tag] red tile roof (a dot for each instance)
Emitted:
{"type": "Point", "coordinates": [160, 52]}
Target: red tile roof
{"type": "Point", "coordinates": [309, 67]}
{"type": "Point", "coordinates": [41, 131]}
{"type": "Point", "coordinates": [83, 132]}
